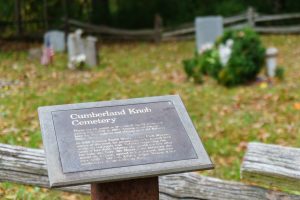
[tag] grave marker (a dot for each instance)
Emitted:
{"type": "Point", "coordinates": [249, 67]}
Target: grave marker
{"type": "Point", "coordinates": [79, 42]}
{"type": "Point", "coordinates": [208, 29]}
{"type": "Point", "coordinates": [82, 50]}
{"type": "Point", "coordinates": [56, 39]}
{"type": "Point", "coordinates": [71, 45]}
{"type": "Point", "coordinates": [91, 51]}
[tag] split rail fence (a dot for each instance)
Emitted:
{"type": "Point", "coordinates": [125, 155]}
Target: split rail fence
{"type": "Point", "coordinates": [269, 165]}
{"type": "Point", "coordinates": [262, 23]}
{"type": "Point", "coordinates": [249, 18]}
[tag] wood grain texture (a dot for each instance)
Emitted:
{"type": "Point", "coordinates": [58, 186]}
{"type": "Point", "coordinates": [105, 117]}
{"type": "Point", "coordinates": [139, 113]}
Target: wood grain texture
{"type": "Point", "coordinates": [194, 186]}
{"type": "Point", "coordinates": [272, 165]}
{"type": "Point", "coordinates": [27, 166]}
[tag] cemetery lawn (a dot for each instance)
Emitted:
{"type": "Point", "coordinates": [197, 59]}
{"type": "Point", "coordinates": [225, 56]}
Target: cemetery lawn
{"type": "Point", "coordinates": [226, 119]}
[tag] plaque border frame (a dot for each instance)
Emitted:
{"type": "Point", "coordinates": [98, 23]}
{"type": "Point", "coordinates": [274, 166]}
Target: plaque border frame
{"type": "Point", "coordinates": [59, 179]}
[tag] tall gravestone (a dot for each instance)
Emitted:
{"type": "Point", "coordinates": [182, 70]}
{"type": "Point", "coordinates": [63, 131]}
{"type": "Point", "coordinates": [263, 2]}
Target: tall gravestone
{"type": "Point", "coordinates": [80, 44]}
{"type": "Point", "coordinates": [120, 147]}
{"type": "Point", "coordinates": [71, 46]}
{"type": "Point", "coordinates": [56, 39]}
{"type": "Point", "coordinates": [91, 51]}
{"type": "Point", "coordinates": [82, 50]}
{"type": "Point", "coordinates": [208, 29]}
{"type": "Point", "coordinates": [72, 50]}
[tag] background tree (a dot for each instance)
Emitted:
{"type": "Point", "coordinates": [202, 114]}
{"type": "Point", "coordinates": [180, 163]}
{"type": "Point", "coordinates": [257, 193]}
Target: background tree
{"type": "Point", "coordinates": [130, 14]}
{"type": "Point", "coordinates": [100, 13]}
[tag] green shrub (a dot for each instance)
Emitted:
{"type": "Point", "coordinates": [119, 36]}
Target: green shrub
{"type": "Point", "coordinates": [208, 63]}
{"type": "Point", "coordinates": [279, 73]}
{"type": "Point", "coordinates": [192, 69]}
{"type": "Point", "coordinates": [245, 62]}
{"type": "Point", "coordinates": [189, 67]}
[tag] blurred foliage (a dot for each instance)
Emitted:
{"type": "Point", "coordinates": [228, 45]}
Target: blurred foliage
{"type": "Point", "coordinates": [279, 73]}
{"type": "Point", "coordinates": [140, 14]}
{"type": "Point", "coordinates": [245, 62]}
{"type": "Point", "coordinates": [208, 63]}
{"type": "Point", "coordinates": [132, 13]}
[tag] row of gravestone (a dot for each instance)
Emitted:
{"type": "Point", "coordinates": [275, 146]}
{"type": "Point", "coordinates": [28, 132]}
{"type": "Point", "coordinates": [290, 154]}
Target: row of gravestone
{"type": "Point", "coordinates": [80, 50]}
{"type": "Point", "coordinates": [84, 50]}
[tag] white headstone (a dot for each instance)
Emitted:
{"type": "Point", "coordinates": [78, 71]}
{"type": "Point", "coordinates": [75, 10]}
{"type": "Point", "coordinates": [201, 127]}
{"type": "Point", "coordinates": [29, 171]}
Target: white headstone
{"type": "Point", "coordinates": [57, 40]}
{"type": "Point", "coordinates": [208, 29]}
{"type": "Point", "coordinates": [271, 61]}
{"type": "Point", "coordinates": [71, 49]}
{"type": "Point", "coordinates": [79, 42]}
{"type": "Point", "coordinates": [91, 51]}
{"type": "Point", "coordinates": [76, 49]}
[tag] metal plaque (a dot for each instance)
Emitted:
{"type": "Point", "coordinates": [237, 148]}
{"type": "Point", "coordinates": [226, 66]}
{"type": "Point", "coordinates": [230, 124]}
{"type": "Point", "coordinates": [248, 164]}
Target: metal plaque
{"type": "Point", "coordinates": [118, 140]}
{"type": "Point", "coordinates": [117, 136]}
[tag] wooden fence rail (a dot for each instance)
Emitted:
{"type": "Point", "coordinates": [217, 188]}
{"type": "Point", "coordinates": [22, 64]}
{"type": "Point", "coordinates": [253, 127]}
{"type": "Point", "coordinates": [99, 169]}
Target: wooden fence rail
{"type": "Point", "coordinates": [187, 30]}
{"type": "Point", "coordinates": [109, 30]}
{"type": "Point", "coordinates": [268, 18]}
{"type": "Point", "coordinates": [272, 165]}
{"type": "Point", "coordinates": [27, 166]}
{"type": "Point", "coordinates": [116, 33]}
{"type": "Point", "coordinates": [248, 18]}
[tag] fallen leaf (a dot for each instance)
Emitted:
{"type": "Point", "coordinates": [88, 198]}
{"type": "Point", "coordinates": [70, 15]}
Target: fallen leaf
{"type": "Point", "coordinates": [242, 146]}
{"type": "Point", "coordinates": [297, 106]}
{"type": "Point", "coordinates": [263, 85]}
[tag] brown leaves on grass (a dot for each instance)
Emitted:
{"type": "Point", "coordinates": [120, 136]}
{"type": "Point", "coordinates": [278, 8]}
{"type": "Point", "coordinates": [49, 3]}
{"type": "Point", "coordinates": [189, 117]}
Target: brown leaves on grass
{"type": "Point", "coordinates": [297, 106]}
{"type": "Point", "coordinates": [242, 146]}
{"type": "Point", "coordinates": [69, 196]}
{"type": "Point", "coordinates": [263, 136]}
{"type": "Point", "coordinates": [2, 192]}
{"type": "Point", "coordinates": [9, 130]}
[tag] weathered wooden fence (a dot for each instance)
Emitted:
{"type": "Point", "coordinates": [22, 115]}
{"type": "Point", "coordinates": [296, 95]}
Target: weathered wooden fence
{"type": "Point", "coordinates": [27, 166]}
{"type": "Point", "coordinates": [272, 165]}
{"type": "Point", "coordinates": [187, 31]}
{"type": "Point", "coordinates": [249, 18]}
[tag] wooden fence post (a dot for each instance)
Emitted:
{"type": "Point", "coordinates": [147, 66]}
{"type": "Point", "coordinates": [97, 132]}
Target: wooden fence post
{"type": "Point", "coordinates": [66, 20]}
{"type": "Point", "coordinates": [145, 188]}
{"type": "Point", "coordinates": [251, 17]}
{"type": "Point", "coordinates": [158, 23]}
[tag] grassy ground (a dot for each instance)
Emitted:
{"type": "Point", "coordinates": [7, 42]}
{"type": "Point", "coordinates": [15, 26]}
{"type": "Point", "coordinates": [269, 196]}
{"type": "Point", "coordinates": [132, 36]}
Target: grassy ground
{"type": "Point", "coordinates": [226, 119]}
